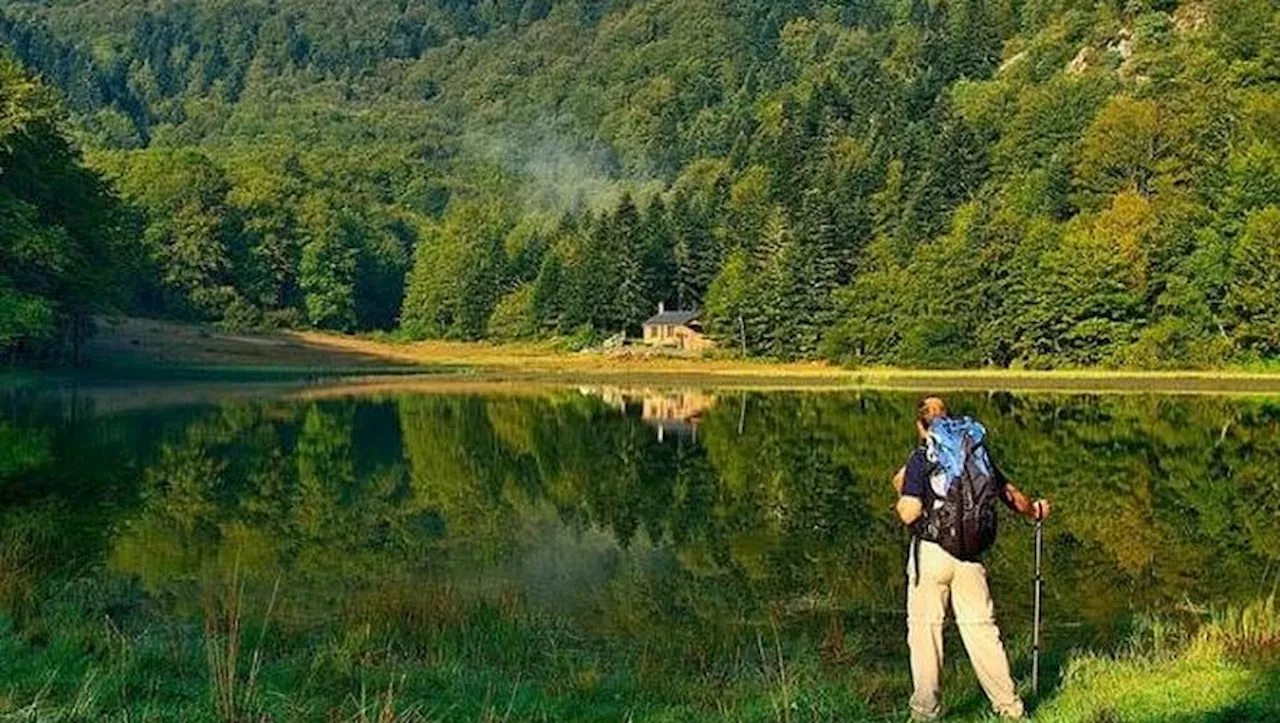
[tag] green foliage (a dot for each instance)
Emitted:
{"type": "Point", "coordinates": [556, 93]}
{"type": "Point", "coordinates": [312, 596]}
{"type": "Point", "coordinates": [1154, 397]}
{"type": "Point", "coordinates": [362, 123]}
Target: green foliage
{"type": "Point", "coordinates": [327, 269]}
{"type": "Point", "coordinates": [1044, 184]}
{"type": "Point", "coordinates": [872, 309]}
{"type": "Point", "coordinates": [1122, 147]}
{"type": "Point", "coordinates": [189, 236]}
{"type": "Point", "coordinates": [515, 316]}
{"type": "Point", "coordinates": [1255, 283]}
{"type": "Point", "coordinates": [249, 241]}
{"type": "Point", "coordinates": [24, 318]}
{"type": "Point", "coordinates": [60, 227]}
{"type": "Point", "coordinates": [732, 299]}
{"type": "Point", "coordinates": [458, 273]}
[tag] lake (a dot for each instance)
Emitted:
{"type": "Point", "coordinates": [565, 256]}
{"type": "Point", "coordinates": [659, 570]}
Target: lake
{"type": "Point", "coordinates": [576, 553]}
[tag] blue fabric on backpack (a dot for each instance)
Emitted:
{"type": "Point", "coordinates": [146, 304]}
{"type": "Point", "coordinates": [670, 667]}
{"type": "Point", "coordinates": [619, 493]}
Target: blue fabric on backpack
{"type": "Point", "coordinates": [945, 446]}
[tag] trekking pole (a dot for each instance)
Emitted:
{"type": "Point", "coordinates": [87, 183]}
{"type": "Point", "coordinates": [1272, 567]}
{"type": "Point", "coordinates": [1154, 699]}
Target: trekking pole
{"type": "Point", "coordinates": [1035, 632]}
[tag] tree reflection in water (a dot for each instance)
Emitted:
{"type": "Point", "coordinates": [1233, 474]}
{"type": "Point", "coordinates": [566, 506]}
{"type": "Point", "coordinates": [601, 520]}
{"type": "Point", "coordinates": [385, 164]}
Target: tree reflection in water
{"type": "Point", "coordinates": [685, 521]}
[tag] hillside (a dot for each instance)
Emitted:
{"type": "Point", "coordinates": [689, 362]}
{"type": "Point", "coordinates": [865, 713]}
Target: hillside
{"type": "Point", "coordinates": [1016, 182]}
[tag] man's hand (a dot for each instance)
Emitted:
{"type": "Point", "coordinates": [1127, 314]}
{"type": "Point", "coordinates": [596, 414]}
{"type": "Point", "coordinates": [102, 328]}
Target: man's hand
{"type": "Point", "coordinates": [1021, 504]}
{"type": "Point", "coordinates": [909, 509]}
{"type": "Point", "coordinates": [1040, 509]}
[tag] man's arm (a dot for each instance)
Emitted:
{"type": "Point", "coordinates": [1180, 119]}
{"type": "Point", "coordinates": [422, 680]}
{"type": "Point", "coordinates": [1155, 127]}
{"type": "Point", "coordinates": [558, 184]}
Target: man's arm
{"type": "Point", "coordinates": [909, 507]}
{"type": "Point", "coordinates": [1023, 505]}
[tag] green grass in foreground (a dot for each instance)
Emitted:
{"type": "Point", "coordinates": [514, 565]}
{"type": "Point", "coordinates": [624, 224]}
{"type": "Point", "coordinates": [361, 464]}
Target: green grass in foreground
{"type": "Point", "coordinates": [88, 653]}
{"type": "Point", "coordinates": [1198, 684]}
{"type": "Point", "coordinates": [1227, 670]}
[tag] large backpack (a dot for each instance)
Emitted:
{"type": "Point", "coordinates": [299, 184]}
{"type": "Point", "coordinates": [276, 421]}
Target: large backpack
{"type": "Point", "coordinates": [959, 506]}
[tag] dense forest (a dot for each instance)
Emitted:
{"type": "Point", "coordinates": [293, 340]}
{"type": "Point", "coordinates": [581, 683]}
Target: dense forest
{"type": "Point", "coordinates": [61, 243]}
{"type": "Point", "coordinates": [976, 182]}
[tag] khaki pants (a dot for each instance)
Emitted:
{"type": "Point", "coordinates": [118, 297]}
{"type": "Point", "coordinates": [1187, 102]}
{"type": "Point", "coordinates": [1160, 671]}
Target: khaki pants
{"type": "Point", "coordinates": [943, 577]}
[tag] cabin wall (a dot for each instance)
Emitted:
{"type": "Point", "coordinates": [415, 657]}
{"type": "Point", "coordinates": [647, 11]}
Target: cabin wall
{"type": "Point", "coordinates": [677, 336]}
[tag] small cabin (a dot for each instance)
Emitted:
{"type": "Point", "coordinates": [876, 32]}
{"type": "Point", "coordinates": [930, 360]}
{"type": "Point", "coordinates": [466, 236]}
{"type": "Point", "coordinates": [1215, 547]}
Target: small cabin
{"type": "Point", "coordinates": [676, 329]}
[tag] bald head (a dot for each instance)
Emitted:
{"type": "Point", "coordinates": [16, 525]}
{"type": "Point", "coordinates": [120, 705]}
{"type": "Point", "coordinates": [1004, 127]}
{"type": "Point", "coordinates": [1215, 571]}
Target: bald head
{"type": "Point", "coordinates": [930, 409]}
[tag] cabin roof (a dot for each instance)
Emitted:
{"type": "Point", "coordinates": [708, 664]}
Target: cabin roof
{"type": "Point", "coordinates": [672, 318]}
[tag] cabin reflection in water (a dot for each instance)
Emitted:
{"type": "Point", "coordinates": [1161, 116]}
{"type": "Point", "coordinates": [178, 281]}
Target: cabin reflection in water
{"type": "Point", "coordinates": [670, 412]}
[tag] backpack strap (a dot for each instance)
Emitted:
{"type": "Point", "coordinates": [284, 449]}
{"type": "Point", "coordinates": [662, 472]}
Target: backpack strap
{"type": "Point", "coordinates": [915, 558]}
{"type": "Point", "coordinates": [926, 508]}
{"type": "Point", "coordinates": [927, 500]}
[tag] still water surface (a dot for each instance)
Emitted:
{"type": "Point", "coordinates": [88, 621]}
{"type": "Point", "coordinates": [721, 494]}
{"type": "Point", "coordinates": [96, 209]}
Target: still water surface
{"type": "Point", "coordinates": [667, 531]}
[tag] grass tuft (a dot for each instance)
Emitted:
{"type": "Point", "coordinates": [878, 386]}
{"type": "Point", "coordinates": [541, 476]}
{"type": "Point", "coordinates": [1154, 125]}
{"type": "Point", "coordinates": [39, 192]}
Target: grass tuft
{"type": "Point", "coordinates": [1250, 629]}
{"type": "Point", "coordinates": [235, 698]}
{"type": "Point", "coordinates": [383, 708]}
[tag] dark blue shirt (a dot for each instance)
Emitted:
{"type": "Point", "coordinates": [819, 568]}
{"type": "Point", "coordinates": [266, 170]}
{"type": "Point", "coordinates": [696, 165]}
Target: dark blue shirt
{"type": "Point", "coordinates": [915, 482]}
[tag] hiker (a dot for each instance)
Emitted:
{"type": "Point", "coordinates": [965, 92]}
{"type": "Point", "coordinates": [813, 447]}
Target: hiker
{"type": "Point", "coordinates": [947, 493]}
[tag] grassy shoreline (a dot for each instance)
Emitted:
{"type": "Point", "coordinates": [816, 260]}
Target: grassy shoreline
{"type": "Point", "coordinates": [158, 350]}
{"type": "Point", "coordinates": [238, 662]}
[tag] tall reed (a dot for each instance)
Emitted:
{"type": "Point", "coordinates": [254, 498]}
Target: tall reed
{"type": "Point", "coordinates": [235, 698]}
